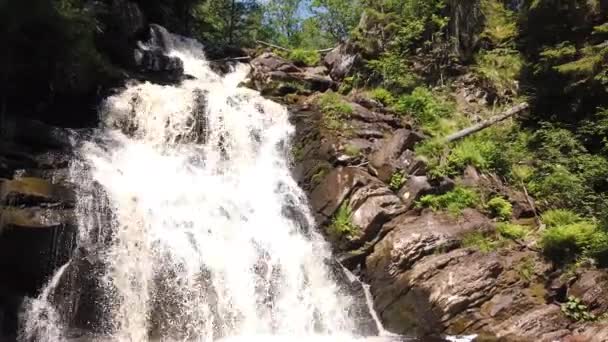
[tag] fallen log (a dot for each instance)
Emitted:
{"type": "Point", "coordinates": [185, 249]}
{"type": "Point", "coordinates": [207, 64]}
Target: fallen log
{"type": "Point", "coordinates": [487, 123]}
{"type": "Point", "coordinates": [289, 50]}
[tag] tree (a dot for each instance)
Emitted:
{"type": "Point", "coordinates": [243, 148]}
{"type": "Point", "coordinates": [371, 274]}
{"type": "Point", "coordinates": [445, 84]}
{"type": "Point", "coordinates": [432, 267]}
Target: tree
{"type": "Point", "coordinates": [337, 17]}
{"type": "Point", "coordinates": [283, 18]}
{"type": "Point", "coordinates": [229, 22]}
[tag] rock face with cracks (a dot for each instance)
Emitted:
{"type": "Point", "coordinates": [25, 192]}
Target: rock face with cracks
{"type": "Point", "coordinates": [427, 278]}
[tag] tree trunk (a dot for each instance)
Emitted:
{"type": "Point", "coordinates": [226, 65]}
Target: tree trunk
{"type": "Point", "coordinates": [487, 123]}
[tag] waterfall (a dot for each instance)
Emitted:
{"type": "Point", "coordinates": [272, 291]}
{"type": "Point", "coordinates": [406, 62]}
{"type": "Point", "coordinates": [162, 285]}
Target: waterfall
{"type": "Point", "coordinates": [204, 234]}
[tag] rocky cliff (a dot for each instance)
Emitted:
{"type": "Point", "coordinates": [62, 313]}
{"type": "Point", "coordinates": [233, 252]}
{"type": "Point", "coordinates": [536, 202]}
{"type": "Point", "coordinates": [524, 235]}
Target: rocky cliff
{"type": "Point", "coordinates": [426, 276]}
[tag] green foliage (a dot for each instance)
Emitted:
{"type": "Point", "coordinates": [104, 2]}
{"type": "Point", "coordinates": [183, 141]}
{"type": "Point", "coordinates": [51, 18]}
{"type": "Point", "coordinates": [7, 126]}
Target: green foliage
{"type": "Point", "coordinates": [500, 208]}
{"type": "Point", "coordinates": [577, 311]}
{"type": "Point", "coordinates": [383, 96]}
{"type": "Point", "coordinates": [501, 67]}
{"type": "Point", "coordinates": [512, 231]}
{"type": "Point", "coordinates": [228, 22]}
{"type": "Point", "coordinates": [565, 243]}
{"type": "Point", "coordinates": [305, 57]}
{"type": "Point", "coordinates": [281, 17]}
{"type": "Point", "coordinates": [478, 151]}
{"type": "Point", "coordinates": [453, 201]}
{"type": "Point", "coordinates": [397, 180]}
{"type": "Point", "coordinates": [337, 17]}
{"type": "Point", "coordinates": [335, 112]}
{"type": "Point", "coordinates": [501, 25]}
{"type": "Point", "coordinates": [426, 107]}
{"type": "Point", "coordinates": [393, 72]}
{"type": "Point", "coordinates": [478, 241]}
{"type": "Point", "coordinates": [341, 226]}
{"type": "Point", "coordinates": [560, 217]}
{"type": "Point", "coordinates": [566, 174]}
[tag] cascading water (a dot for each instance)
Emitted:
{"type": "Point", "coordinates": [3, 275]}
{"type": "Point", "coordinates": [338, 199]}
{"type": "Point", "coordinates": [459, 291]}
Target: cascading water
{"type": "Point", "coordinates": [209, 236]}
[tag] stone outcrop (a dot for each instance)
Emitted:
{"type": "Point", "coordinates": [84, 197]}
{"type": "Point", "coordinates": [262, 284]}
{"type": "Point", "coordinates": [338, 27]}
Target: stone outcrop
{"type": "Point", "coordinates": [275, 76]}
{"type": "Point", "coordinates": [37, 223]}
{"type": "Point", "coordinates": [427, 278]}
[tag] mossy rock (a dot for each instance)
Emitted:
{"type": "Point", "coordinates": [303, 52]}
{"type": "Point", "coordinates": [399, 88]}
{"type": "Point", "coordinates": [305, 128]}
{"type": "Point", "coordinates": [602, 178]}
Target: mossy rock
{"type": "Point", "coordinates": [34, 191]}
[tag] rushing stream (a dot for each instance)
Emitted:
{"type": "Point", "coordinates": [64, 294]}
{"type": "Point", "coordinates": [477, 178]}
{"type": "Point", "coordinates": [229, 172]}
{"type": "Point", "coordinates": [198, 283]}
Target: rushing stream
{"type": "Point", "coordinates": [191, 227]}
{"type": "Point", "coordinates": [208, 236]}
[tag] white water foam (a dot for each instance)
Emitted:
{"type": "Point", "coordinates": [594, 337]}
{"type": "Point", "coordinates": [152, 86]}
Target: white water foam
{"type": "Point", "coordinates": [209, 237]}
{"type": "Point", "coordinates": [202, 243]}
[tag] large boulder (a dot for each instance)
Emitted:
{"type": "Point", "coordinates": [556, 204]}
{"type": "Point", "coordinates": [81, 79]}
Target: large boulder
{"type": "Point", "coordinates": [385, 160]}
{"type": "Point", "coordinates": [341, 61]}
{"type": "Point", "coordinates": [334, 189]}
{"type": "Point", "coordinates": [276, 76]}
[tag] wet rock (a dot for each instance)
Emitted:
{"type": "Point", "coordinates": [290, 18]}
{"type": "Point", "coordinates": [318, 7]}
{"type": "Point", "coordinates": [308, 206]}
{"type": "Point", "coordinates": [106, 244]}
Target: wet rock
{"type": "Point", "coordinates": [34, 218]}
{"type": "Point", "coordinates": [157, 64]}
{"type": "Point", "coordinates": [34, 191]}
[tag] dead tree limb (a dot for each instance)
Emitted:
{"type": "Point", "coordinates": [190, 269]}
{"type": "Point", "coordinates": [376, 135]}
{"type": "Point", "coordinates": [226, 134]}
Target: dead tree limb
{"type": "Point", "coordinates": [272, 45]}
{"type": "Point", "coordinates": [289, 50]}
{"type": "Point", "coordinates": [232, 59]}
{"type": "Point", "coordinates": [487, 123]}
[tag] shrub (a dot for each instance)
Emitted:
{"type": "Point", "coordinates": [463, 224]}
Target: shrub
{"type": "Point", "coordinates": [393, 71]}
{"type": "Point", "coordinates": [482, 153]}
{"type": "Point", "coordinates": [577, 311]}
{"type": "Point", "coordinates": [500, 208]}
{"type": "Point", "coordinates": [335, 111]}
{"type": "Point", "coordinates": [454, 201]}
{"type": "Point", "coordinates": [341, 225]}
{"type": "Point", "coordinates": [383, 96]}
{"type": "Point", "coordinates": [501, 67]}
{"type": "Point", "coordinates": [560, 217]}
{"type": "Point", "coordinates": [511, 231]}
{"type": "Point", "coordinates": [501, 24]}
{"type": "Point", "coordinates": [565, 243]}
{"type": "Point", "coordinates": [397, 181]}
{"type": "Point", "coordinates": [425, 106]}
{"type": "Point", "coordinates": [305, 57]}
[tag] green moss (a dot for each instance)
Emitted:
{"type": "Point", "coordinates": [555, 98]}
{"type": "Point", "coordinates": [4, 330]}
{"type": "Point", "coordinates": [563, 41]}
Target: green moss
{"type": "Point", "coordinates": [319, 174]}
{"type": "Point", "coordinates": [297, 151]}
{"type": "Point", "coordinates": [305, 57]}
{"type": "Point", "coordinates": [352, 150]}
{"type": "Point", "coordinates": [454, 201]}
{"type": "Point", "coordinates": [480, 242]}
{"type": "Point", "coordinates": [525, 269]}
{"type": "Point", "coordinates": [500, 208]}
{"type": "Point", "coordinates": [341, 225]}
{"type": "Point", "coordinates": [335, 111]}
{"type": "Point", "coordinates": [512, 231]}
